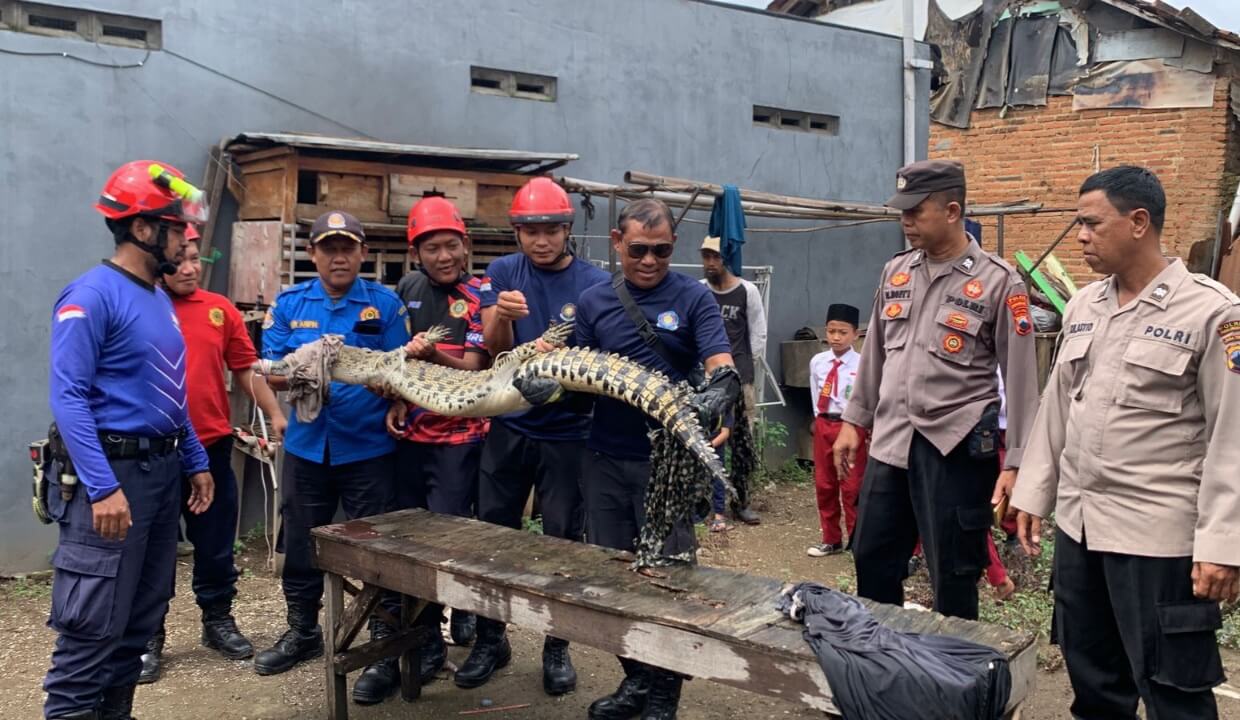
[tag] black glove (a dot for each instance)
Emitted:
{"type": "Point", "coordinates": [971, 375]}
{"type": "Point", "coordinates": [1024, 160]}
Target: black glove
{"type": "Point", "coordinates": [720, 394]}
{"type": "Point", "coordinates": [538, 390]}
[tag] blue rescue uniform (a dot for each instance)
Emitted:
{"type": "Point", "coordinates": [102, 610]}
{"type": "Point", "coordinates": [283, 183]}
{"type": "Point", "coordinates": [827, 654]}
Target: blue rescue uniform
{"type": "Point", "coordinates": [345, 457]}
{"type": "Point", "coordinates": [117, 392]}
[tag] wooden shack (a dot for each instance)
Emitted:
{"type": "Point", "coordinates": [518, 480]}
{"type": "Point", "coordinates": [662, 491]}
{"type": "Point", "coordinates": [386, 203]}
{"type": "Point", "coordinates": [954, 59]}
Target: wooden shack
{"type": "Point", "coordinates": [285, 180]}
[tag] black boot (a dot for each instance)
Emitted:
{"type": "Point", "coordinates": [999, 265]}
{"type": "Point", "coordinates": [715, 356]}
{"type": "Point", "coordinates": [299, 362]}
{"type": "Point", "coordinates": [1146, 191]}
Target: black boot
{"type": "Point", "coordinates": [490, 653]}
{"type": "Point", "coordinates": [664, 697]}
{"type": "Point", "coordinates": [380, 679]}
{"type": "Point", "coordinates": [559, 676]}
{"type": "Point", "coordinates": [153, 658]}
{"type": "Point", "coordinates": [117, 703]}
{"type": "Point", "coordinates": [302, 641]}
{"type": "Point", "coordinates": [629, 699]}
{"type": "Point", "coordinates": [463, 627]}
{"type": "Point", "coordinates": [219, 632]}
{"type": "Point", "coordinates": [433, 657]}
{"type": "Point", "coordinates": [79, 715]}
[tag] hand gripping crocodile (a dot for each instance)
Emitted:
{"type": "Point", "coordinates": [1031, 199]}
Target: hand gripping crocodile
{"type": "Point", "coordinates": [518, 380]}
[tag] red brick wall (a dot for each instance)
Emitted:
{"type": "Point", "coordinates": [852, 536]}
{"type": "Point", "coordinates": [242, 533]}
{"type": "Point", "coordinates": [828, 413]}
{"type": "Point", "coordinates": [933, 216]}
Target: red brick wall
{"type": "Point", "coordinates": [1043, 154]}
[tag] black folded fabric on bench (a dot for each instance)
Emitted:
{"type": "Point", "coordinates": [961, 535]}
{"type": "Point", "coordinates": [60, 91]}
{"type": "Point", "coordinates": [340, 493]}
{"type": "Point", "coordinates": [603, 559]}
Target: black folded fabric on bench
{"type": "Point", "coordinates": [877, 673]}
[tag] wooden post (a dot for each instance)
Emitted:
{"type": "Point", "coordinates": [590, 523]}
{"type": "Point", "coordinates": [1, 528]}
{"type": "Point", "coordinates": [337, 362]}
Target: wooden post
{"type": "Point", "coordinates": [411, 659]}
{"type": "Point", "coordinates": [337, 689]}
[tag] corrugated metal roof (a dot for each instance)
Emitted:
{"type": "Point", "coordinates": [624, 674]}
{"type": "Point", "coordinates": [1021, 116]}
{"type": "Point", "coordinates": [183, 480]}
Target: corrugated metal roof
{"type": "Point", "coordinates": [479, 158]}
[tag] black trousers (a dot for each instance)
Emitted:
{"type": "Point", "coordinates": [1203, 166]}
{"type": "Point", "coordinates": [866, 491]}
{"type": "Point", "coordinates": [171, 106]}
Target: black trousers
{"type": "Point", "coordinates": [439, 478]}
{"type": "Point", "coordinates": [513, 463]}
{"type": "Point", "coordinates": [945, 500]}
{"type": "Point", "coordinates": [312, 492]}
{"type": "Point", "coordinates": [616, 506]}
{"type": "Point", "coordinates": [1130, 627]}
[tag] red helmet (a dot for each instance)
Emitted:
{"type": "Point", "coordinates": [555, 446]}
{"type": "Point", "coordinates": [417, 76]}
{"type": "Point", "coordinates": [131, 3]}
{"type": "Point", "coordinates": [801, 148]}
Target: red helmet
{"type": "Point", "coordinates": [191, 232]}
{"type": "Point", "coordinates": [541, 200]}
{"type": "Point", "coordinates": [431, 214]}
{"type": "Point", "coordinates": [146, 187]}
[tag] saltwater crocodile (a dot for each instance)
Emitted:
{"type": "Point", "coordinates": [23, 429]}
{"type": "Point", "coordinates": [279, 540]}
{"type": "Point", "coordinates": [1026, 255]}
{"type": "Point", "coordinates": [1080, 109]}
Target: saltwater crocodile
{"type": "Point", "coordinates": [513, 380]}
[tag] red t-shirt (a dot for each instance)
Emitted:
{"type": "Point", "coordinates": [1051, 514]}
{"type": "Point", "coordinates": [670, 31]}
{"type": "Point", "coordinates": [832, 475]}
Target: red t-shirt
{"type": "Point", "coordinates": [215, 338]}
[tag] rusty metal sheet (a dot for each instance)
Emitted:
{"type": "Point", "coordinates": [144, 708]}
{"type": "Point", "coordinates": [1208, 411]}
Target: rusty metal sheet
{"type": "Point", "coordinates": [1142, 84]}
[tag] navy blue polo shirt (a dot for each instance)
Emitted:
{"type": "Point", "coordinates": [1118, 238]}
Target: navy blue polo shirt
{"type": "Point", "coordinates": [685, 316]}
{"type": "Point", "coordinates": [552, 296]}
{"type": "Point", "coordinates": [368, 316]}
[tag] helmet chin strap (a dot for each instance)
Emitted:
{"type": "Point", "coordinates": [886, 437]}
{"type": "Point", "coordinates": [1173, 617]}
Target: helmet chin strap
{"type": "Point", "coordinates": [164, 266]}
{"type": "Point", "coordinates": [565, 251]}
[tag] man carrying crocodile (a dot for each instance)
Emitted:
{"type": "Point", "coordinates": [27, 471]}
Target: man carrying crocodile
{"type": "Point", "coordinates": [523, 294]}
{"type": "Point", "coordinates": [666, 322]}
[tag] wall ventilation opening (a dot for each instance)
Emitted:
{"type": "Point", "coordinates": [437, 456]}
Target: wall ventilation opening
{"type": "Point", "coordinates": [510, 83]}
{"type": "Point", "coordinates": [795, 120]}
{"type": "Point", "coordinates": [80, 24]}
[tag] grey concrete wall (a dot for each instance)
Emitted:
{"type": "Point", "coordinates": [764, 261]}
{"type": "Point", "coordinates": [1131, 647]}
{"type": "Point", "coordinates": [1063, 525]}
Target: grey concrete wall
{"type": "Point", "coordinates": [664, 86]}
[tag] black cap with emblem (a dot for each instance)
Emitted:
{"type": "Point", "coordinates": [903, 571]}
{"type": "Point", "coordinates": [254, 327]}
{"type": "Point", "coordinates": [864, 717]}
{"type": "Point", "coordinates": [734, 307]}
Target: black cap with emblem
{"type": "Point", "coordinates": [915, 181]}
{"type": "Point", "coordinates": [336, 222]}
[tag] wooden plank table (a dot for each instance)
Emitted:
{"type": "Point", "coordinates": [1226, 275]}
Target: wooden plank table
{"type": "Point", "coordinates": [705, 622]}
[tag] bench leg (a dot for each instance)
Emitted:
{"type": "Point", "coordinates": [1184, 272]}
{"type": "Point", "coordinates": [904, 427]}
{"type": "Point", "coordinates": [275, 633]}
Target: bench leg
{"type": "Point", "coordinates": [411, 659]}
{"type": "Point", "coordinates": [337, 688]}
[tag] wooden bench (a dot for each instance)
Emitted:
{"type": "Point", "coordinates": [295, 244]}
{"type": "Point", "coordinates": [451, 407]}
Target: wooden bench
{"type": "Point", "coordinates": [708, 623]}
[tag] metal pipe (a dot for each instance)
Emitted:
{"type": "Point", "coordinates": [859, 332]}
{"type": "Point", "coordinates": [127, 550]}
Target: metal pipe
{"type": "Point", "coordinates": [910, 86]}
{"type": "Point", "coordinates": [611, 224]}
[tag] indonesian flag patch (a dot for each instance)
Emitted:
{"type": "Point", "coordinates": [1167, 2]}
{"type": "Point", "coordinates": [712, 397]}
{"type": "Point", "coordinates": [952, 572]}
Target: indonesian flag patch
{"type": "Point", "coordinates": [70, 312]}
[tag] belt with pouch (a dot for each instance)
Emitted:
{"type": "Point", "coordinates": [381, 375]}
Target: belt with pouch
{"type": "Point", "coordinates": [121, 447]}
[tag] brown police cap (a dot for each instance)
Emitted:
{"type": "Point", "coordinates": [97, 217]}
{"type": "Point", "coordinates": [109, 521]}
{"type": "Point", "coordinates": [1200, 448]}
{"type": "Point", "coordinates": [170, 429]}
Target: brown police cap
{"type": "Point", "coordinates": [335, 222]}
{"type": "Point", "coordinates": [915, 181]}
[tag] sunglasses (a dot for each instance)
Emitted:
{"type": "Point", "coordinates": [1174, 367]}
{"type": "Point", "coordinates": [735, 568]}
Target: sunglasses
{"type": "Point", "coordinates": [662, 251]}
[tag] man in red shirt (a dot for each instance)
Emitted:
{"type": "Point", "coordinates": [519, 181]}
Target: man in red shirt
{"type": "Point", "coordinates": [215, 339]}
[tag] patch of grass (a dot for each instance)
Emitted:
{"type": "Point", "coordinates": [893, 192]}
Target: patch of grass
{"type": "Point", "coordinates": [1229, 635]}
{"type": "Point", "coordinates": [533, 525]}
{"type": "Point", "coordinates": [30, 588]}
{"type": "Point", "coordinates": [792, 472]}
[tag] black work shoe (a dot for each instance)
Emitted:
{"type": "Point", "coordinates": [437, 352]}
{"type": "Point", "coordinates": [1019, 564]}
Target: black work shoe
{"type": "Point", "coordinates": [220, 633]}
{"type": "Point", "coordinates": [626, 702]}
{"type": "Point", "coordinates": [749, 517]}
{"type": "Point", "coordinates": [432, 658]}
{"type": "Point", "coordinates": [559, 675]}
{"type": "Point", "coordinates": [664, 696]}
{"type": "Point", "coordinates": [294, 646]}
{"type": "Point", "coordinates": [152, 659]}
{"type": "Point", "coordinates": [377, 682]}
{"type": "Point", "coordinates": [117, 703]}
{"type": "Point", "coordinates": [463, 627]}
{"type": "Point", "coordinates": [79, 715]}
{"type": "Point", "coordinates": [487, 656]}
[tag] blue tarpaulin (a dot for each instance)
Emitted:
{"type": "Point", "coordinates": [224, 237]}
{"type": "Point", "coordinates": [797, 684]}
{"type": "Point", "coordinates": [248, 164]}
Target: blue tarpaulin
{"type": "Point", "coordinates": [727, 222]}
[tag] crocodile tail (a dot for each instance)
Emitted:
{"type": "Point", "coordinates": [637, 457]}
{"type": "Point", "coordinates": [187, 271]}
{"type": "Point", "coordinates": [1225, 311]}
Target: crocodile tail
{"type": "Point", "coordinates": [619, 378]}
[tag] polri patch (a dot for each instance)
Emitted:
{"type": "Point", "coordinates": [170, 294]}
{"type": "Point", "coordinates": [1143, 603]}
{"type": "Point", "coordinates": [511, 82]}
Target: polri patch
{"type": "Point", "coordinates": [668, 320]}
{"type": "Point", "coordinates": [893, 310]}
{"type": "Point", "coordinates": [973, 289]}
{"type": "Point", "coordinates": [953, 343]}
{"type": "Point", "coordinates": [958, 321]}
{"type": "Point", "coordinates": [899, 279]}
{"type": "Point", "coordinates": [1230, 333]}
{"type": "Point", "coordinates": [1018, 306]}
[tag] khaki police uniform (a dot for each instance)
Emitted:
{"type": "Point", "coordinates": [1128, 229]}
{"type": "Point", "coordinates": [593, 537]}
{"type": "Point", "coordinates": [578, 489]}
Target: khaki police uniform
{"type": "Point", "coordinates": [928, 389]}
{"type": "Point", "coordinates": [1134, 449]}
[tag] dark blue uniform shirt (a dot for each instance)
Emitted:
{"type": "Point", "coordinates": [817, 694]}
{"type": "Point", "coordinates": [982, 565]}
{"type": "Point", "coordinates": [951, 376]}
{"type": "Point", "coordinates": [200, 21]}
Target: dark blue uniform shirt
{"type": "Point", "coordinates": [685, 316]}
{"type": "Point", "coordinates": [368, 316]}
{"type": "Point", "coordinates": [552, 297]}
{"type": "Point", "coordinates": [118, 365]}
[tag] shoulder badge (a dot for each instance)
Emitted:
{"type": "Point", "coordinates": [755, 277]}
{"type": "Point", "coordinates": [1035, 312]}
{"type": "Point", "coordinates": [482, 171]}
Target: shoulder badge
{"type": "Point", "coordinates": [1230, 334]}
{"type": "Point", "coordinates": [1018, 306]}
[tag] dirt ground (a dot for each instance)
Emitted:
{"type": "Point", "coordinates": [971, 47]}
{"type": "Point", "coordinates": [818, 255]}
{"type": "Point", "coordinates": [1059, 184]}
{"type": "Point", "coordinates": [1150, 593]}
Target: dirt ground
{"type": "Point", "coordinates": [199, 685]}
